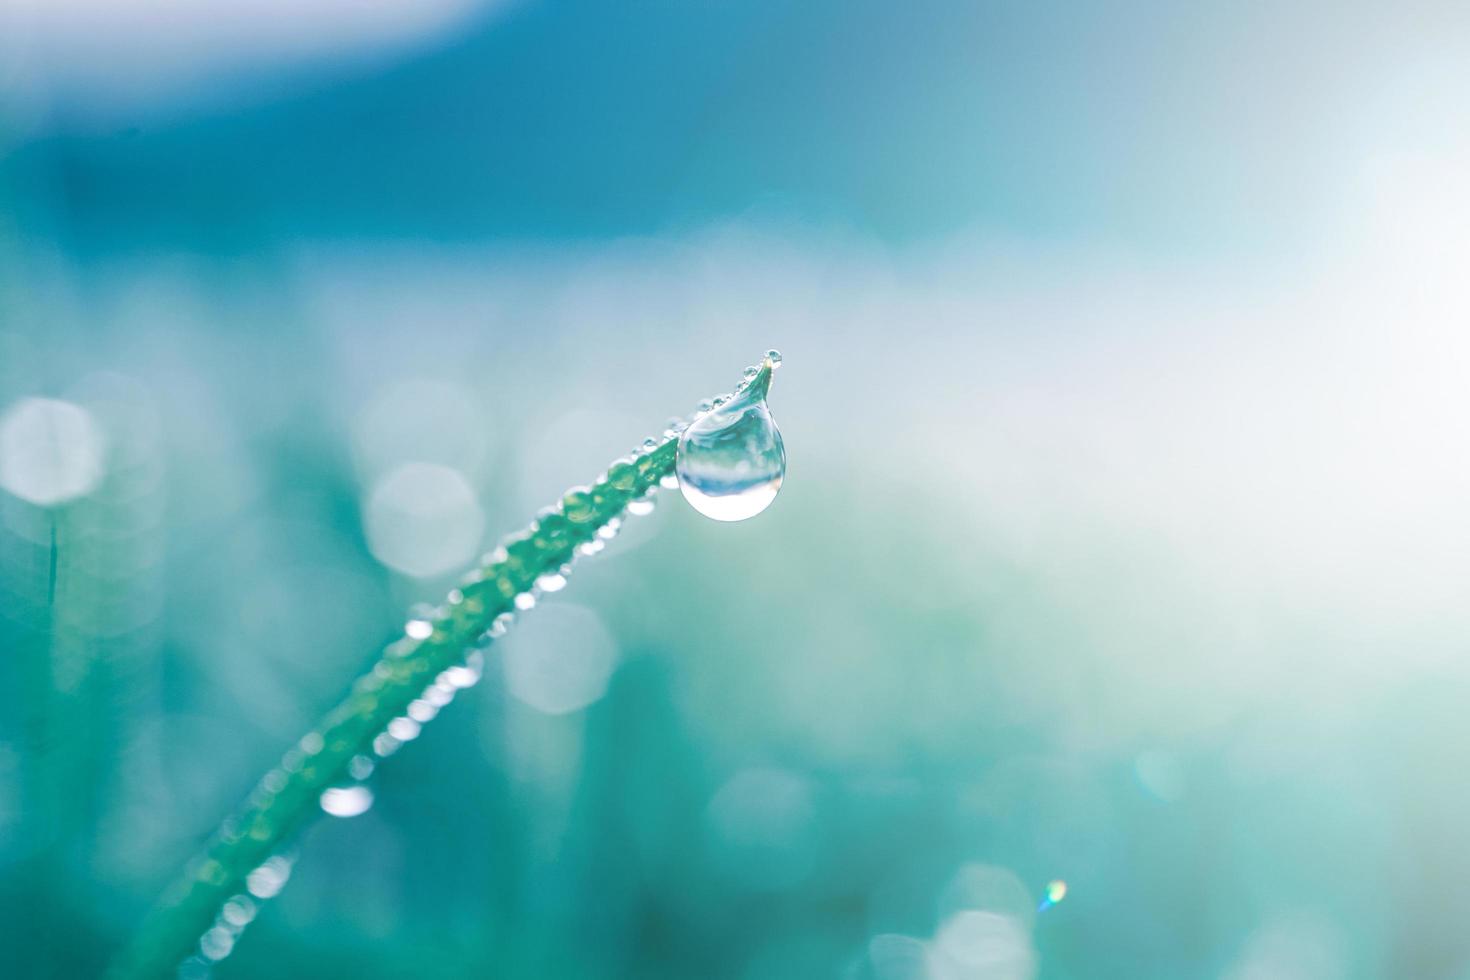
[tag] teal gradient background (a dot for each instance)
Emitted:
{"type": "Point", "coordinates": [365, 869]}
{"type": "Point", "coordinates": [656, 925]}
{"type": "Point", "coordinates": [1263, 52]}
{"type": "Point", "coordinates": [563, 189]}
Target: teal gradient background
{"type": "Point", "coordinates": [1123, 540]}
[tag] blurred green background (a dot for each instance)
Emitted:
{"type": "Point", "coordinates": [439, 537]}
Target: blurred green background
{"type": "Point", "coordinates": [1124, 540]}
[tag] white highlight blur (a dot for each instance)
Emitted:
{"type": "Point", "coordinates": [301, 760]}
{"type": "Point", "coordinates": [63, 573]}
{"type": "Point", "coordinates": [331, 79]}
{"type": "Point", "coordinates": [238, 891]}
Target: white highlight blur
{"type": "Point", "coordinates": [347, 801]}
{"type": "Point", "coordinates": [1298, 945]}
{"type": "Point", "coordinates": [988, 888]}
{"type": "Point", "coordinates": [559, 660]}
{"type": "Point", "coordinates": [50, 451]}
{"type": "Point", "coordinates": [985, 920]}
{"type": "Point", "coordinates": [734, 506]}
{"type": "Point", "coordinates": [423, 519]}
{"type": "Point", "coordinates": [216, 943]}
{"type": "Point", "coordinates": [268, 879]}
{"type": "Point", "coordinates": [898, 957]}
{"type": "Point", "coordinates": [978, 945]}
{"type": "Point", "coordinates": [762, 825]}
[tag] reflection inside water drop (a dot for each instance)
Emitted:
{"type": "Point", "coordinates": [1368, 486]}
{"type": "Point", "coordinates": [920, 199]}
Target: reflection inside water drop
{"type": "Point", "coordinates": [732, 460]}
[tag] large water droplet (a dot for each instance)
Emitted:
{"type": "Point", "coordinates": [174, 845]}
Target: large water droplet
{"type": "Point", "coordinates": [732, 460]}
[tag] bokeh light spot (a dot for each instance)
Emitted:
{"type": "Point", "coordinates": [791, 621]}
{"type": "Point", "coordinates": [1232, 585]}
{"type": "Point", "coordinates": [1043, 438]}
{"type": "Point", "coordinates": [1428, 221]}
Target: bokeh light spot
{"type": "Point", "coordinates": [979, 945]}
{"type": "Point", "coordinates": [988, 888]}
{"type": "Point", "coordinates": [898, 957]}
{"type": "Point", "coordinates": [51, 451]}
{"type": "Point", "coordinates": [423, 519]}
{"type": "Point", "coordinates": [559, 660]}
{"type": "Point", "coordinates": [763, 827]}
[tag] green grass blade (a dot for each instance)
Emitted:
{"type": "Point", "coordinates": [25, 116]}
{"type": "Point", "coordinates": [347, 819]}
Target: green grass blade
{"type": "Point", "coordinates": [288, 795]}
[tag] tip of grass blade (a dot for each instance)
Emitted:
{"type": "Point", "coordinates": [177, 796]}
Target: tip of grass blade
{"type": "Point", "coordinates": [760, 385]}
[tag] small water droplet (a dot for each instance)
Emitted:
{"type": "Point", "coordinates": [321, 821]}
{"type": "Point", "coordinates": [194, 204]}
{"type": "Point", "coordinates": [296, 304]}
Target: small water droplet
{"type": "Point", "coordinates": [731, 462]}
{"type": "Point", "coordinates": [552, 582]}
{"type": "Point", "coordinates": [238, 911]}
{"type": "Point", "coordinates": [268, 879]}
{"type": "Point", "coordinates": [460, 676]}
{"type": "Point", "coordinates": [360, 766]}
{"type": "Point", "coordinates": [347, 801]}
{"type": "Point", "coordinates": [774, 356]}
{"type": "Point", "coordinates": [705, 405]}
{"type": "Point", "coordinates": [404, 729]}
{"type": "Point", "coordinates": [525, 601]}
{"type": "Point", "coordinates": [420, 625]}
{"type": "Point", "coordinates": [385, 745]}
{"type": "Point", "coordinates": [578, 505]}
{"type": "Point", "coordinates": [217, 943]}
{"type": "Point", "coordinates": [422, 711]}
{"type": "Point", "coordinates": [669, 481]}
{"type": "Point", "coordinates": [641, 507]}
{"type": "Point", "coordinates": [650, 444]}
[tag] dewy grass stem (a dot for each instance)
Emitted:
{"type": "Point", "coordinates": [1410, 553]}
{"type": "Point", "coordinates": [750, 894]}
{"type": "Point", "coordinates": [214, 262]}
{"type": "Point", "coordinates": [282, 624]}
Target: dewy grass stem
{"type": "Point", "coordinates": [196, 916]}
